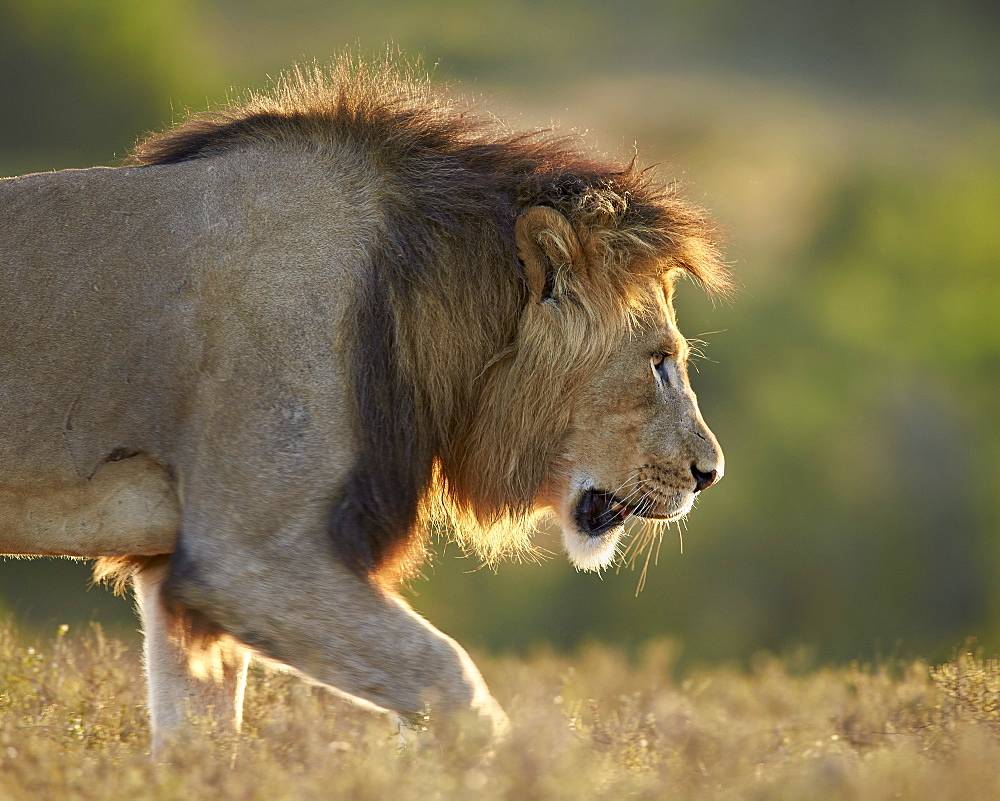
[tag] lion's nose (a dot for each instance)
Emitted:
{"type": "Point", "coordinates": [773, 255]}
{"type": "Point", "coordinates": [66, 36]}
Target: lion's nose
{"type": "Point", "coordinates": [703, 480]}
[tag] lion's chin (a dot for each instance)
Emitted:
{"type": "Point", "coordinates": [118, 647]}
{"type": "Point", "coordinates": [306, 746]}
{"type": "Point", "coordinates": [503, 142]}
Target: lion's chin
{"type": "Point", "coordinates": [587, 552]}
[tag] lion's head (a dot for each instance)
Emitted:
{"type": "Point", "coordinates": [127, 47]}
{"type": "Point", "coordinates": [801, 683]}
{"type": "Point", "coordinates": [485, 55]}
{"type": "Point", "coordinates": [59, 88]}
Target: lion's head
{"type": "Point", "coordinates": [633, 441]}
{"type": "Point", "coordinates": [579, 407]}
{"type": "Point", "coordinates": [603, 369]}
{"type": "Point", "coordinates": [511, 344]}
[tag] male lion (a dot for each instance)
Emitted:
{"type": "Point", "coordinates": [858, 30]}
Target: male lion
{"type": "Point", "coordinates": [294, 332]}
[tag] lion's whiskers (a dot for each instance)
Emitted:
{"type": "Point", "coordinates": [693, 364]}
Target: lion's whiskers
{"type": "Point", "coordinates": [647, 537]}
{"type": "Point", "coordinates": [634, 480]}
{"type": "Point", "coordinates": [632, 492]}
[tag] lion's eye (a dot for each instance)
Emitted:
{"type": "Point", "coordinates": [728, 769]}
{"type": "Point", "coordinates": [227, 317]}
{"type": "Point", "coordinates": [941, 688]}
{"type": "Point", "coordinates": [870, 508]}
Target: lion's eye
{"type": "Point", "coordinates": [658, 361]}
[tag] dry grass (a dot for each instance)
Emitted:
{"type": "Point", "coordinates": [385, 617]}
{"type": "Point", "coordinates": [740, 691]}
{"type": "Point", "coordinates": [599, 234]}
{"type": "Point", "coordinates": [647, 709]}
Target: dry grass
{"type": "Point", "coordinates": [590, 726]}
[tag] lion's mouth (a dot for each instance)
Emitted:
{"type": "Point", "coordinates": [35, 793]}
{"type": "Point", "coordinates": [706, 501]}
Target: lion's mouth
{"type": "Point", "coordinates": [599, 511]}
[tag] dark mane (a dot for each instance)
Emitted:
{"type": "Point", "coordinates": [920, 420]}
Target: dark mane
{"type": "Point", "coordinates": [451, 182]}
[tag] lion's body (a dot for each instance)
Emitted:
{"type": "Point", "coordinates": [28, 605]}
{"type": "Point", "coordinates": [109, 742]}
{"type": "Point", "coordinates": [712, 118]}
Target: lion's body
{"type": "Point", "coordinates": [143, 291]}
{"type": "Point", "coordinates": [270, 348]}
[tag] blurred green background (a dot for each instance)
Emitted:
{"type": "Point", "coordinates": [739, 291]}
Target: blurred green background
{"type": "Point", "coordinates": [852, 152]}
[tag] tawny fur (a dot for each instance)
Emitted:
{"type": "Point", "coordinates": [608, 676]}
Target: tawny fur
{"type": "Point", "coordinates": [313, 323]}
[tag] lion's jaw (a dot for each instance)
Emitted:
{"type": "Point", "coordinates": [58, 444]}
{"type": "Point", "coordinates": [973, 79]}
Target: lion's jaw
{"type": "Point", "coordinates": [592, 518]}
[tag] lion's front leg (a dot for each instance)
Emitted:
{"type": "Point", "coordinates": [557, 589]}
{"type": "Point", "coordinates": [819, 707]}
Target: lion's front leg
{"type": "Point", "coordinates": [309, 612]}
{"type": "Point", "coordinates": [184, 683]}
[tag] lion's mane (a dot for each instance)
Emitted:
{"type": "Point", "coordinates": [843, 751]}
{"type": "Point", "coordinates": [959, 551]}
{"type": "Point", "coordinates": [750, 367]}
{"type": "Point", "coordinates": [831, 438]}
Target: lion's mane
{"type": "Point", "coordinates": [459, 391]}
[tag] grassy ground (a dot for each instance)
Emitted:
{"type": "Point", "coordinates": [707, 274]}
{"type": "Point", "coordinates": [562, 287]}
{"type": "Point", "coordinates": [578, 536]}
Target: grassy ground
{"type": "Point", "coordinates": [73, 725]}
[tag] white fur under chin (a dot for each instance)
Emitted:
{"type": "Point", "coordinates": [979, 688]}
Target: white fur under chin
{"type": "Point", "coordinates": [586, 552]}
{"type": "Point", "coordinates": [590, 553]}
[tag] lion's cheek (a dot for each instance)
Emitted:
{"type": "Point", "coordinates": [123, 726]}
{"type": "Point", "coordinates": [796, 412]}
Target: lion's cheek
{"type": "Point", "coordinates": [607, 447]}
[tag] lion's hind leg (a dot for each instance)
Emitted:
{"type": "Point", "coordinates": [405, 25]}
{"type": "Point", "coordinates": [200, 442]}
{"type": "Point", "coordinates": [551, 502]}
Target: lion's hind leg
{"type": "Point", "coordinates": [193, 675]}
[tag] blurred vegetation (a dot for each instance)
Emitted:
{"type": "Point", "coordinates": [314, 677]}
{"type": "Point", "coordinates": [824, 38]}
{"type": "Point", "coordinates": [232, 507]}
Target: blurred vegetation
{"type": "Point", "coordinates": [73, 725]}
{"type": "Point", "coordinates": [851, 152]}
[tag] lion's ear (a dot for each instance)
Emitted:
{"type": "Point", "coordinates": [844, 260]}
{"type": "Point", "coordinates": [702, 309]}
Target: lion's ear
{"type": "Point", "coordinates": [549, 250]}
